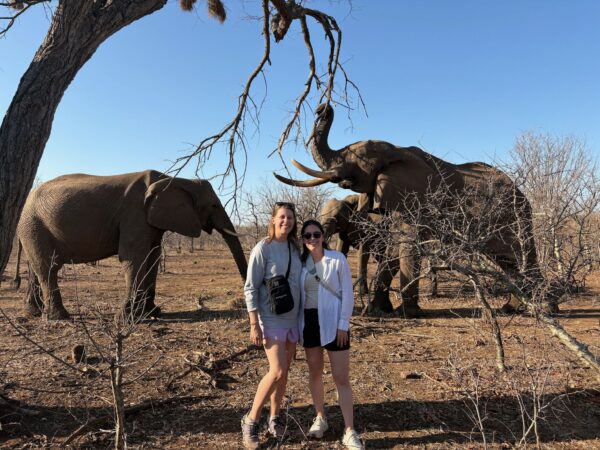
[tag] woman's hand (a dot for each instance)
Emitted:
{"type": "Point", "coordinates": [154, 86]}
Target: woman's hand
{"type": "Point", "coordinates": [256, 334]}
{"type": "Point", "coordinates": [342, 338]}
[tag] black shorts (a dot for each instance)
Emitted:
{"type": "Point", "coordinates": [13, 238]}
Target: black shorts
{"type": "Point", "coordinates": [312, 335]}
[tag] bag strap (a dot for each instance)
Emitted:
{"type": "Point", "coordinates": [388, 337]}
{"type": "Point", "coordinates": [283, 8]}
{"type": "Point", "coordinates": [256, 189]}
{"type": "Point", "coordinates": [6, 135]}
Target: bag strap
{"type": "Point", "coordinates": [313, 272]}
{"type": "Point", "coordinates": [287, 273]}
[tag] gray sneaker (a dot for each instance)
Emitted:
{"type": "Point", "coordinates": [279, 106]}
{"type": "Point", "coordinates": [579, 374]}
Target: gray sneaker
{"type": "Point", "coordinates": [276, 428]}
{"type": "Point", "coordinates": [352, 441]}
{"type": "Point", "coordinates": [250, 433]}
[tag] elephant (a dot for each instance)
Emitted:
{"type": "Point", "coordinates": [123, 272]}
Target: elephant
{"type": "Point", "coordinates": [389, 174]}
{"type": "Point", "coordinates": [344, 218]}
{"type": "Point", "coordinates": [80, 218]}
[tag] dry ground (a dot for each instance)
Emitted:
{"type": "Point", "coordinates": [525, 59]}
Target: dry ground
{"type": "Point", "coordinates": [428, 382]}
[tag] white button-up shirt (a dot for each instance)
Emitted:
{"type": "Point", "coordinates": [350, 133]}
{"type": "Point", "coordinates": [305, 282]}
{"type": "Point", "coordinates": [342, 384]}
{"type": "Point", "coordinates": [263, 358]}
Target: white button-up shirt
{"type": "Point", "coordinates": [334, 313]}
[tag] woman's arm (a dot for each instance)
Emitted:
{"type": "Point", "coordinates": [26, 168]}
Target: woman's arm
{"type": "Point", "coordinates": [347, 294]}
{"type": "Point", "coordinates": [256, 335]}
{"type": "Point", "coordinates": [255, 277]}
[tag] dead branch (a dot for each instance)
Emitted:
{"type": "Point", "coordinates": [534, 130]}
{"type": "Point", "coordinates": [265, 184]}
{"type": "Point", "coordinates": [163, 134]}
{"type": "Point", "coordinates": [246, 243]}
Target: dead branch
{"type": "Point", "coordinates": [212, 370]}
{"type": "Point", "coordinates": [17, 8]}
{"type": "Point", "coordinates": [233, 135]}
{"type": "Point", "coordinates": [491, 316]}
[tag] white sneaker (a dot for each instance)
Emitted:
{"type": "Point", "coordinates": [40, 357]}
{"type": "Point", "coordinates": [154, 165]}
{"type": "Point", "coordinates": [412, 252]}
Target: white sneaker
{"type": "Point", "coordinates": [352, 441]}
{"type": "Point", "coordinates": [318, 427]}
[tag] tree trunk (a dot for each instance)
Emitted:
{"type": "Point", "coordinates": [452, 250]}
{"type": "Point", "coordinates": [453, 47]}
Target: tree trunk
{"type": "Point", "coordinates": [77, 30]}
{"type": "Point", "coordinates": [491, 317]}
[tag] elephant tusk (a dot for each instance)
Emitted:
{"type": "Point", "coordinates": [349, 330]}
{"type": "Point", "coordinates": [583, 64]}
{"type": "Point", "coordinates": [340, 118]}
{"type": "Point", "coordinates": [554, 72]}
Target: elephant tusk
{"type": "Point", "coordinates": [297, 183]}
{"type": "Point", "coordinates": [232, 233]}
{"type": "Point", "coordinates": [314, 173]}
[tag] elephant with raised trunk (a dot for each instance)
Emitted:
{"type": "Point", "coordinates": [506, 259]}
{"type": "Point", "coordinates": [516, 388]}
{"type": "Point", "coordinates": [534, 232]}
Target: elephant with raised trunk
{"type": "Point", "coordinates": [81, 218]}
{"type": "Point", "coordinates": [388, 174]}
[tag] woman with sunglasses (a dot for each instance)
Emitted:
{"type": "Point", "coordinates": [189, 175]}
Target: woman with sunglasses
{"type": "Point", "coordinates": [327, 300]}
{"type": "Point", "coordinates": [277, 254]}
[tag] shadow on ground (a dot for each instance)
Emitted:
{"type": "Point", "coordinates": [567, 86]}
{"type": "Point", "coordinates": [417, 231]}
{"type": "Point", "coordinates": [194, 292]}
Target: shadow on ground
{"type": "Point", "coordinates": [437, 421]}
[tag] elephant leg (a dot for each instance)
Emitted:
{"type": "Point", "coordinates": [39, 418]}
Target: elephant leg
{"type": "Point", "coordinates": [512, 306]}
{"type": "Point", "coordinates": [363, 262]}
{"type": "Point", "coordinates": [53, 305]}
{"type": "Point", "coordinates": [140, 278]}
{"type": "Point", "coordinates": [149, 291]}
{"type": "Point", "coordinates": [34, 304]}
{"type": "Point", "coordinates": [434, 283]}
{"type": "Point", "coordinates": [133, 308]}
{"type": "Point", "coordinates": [410, 267]}
{"type": "Point", "coordinates": [386, 271]}
{"type": "Point", "coordinates": [527, 283]}
{"type": "Point", "coordinates": [515, 306]}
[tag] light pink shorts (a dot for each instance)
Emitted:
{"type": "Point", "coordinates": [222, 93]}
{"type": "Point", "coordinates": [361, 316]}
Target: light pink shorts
{"type": "Point", "coordinates": [282, 334]}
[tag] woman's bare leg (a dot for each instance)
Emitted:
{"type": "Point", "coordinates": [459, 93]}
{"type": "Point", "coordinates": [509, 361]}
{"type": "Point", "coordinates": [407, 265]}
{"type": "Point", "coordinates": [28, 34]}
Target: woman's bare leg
{"type": "Point", "coordinates": [340, 369]}
{"type": "Point", "coordinates": [279, 392]}
{"type": "Point", "coordinates": [314, 358]}
{"type": "Point", "coordinates": [278, 364]}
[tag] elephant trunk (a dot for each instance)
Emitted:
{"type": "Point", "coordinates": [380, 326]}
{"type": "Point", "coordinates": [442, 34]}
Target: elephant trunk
{"type": "Point", "coordinates": [235, 246]}
{"type": "Point", "coordinates": [330, 227]}
{"type": "Point", "coordinates": [323, 155]}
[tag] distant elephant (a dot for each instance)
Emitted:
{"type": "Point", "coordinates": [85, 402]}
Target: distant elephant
{"type": "Point", "coordinates": [342, 217]}
{"type": "Point", "coordinates": [387, 173]}
{"type": "Point", "coordinates": [81, 218]}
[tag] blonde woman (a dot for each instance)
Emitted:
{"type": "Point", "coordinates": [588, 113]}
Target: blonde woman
{"type": "Point", "coordinates": [275, 255]}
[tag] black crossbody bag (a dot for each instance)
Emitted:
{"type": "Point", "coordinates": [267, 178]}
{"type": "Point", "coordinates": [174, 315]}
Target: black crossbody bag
{"type": "Point", "coordinates": [278, 290]}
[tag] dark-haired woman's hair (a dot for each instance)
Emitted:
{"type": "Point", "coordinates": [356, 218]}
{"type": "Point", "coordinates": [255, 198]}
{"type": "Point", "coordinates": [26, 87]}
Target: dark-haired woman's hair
{"type": "Point", "coordinates": [292, 235]}
{"type": "Point", "coordinates": [305, 250]}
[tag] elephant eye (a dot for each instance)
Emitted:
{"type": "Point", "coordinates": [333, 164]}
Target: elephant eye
{"type": "Point", "coordinates": [347, 182]}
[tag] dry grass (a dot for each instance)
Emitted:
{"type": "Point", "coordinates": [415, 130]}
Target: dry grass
{"type": "Point", "coordinates": [417, 382]}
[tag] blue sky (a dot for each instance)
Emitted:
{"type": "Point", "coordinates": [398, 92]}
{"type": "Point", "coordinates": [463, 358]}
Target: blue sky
{"type": "Point", "coordinates": [461, 79]}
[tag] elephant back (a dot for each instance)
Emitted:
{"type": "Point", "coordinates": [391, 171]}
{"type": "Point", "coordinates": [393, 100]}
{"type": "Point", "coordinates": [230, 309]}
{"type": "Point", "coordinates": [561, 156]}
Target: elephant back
{"type": "Point", "coordinates": [77, 216]}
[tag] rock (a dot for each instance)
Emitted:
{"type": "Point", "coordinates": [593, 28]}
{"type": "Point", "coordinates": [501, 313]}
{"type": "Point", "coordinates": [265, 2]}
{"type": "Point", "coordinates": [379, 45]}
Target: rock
{"type": "Point", "coordinates": [411, 375]}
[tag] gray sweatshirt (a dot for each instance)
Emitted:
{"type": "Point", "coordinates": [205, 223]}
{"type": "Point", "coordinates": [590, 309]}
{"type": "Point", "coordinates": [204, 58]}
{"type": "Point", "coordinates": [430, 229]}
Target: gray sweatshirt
{"type": "Point", "coordinates": [266, 261]}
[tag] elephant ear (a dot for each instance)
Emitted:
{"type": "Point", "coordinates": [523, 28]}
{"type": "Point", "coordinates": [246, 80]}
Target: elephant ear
{"type": "Point", "coordinates": [170, 206]}
{"type": "Point", "coordinates": [385, 192]}
{"type": "Point", "coordinates": [409, 174]}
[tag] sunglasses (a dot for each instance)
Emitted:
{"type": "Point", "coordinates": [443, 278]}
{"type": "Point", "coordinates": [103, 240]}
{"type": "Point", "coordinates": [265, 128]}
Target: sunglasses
{"type": "Point", "coordinates": [287, 205]}
{"type": "Point", "coordinates": [316, 235]}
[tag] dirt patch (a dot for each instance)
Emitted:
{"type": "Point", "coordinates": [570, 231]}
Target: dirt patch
{"type": "Point", "coordinates": [427, 382]}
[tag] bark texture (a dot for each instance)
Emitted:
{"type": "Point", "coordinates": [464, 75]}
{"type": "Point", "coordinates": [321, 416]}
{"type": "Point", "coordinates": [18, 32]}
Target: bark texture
{"type": "Point", "coordinates": [76, 31]}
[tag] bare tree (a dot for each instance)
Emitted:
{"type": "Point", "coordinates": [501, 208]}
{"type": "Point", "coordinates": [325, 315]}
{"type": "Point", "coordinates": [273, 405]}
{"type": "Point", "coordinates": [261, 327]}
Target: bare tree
{"type": "Point", "coordinates": [77, 29]}
{"type": "Point", "coordinates": [561, 179]}
{"type": "Point", "coordinates": [308, 203]}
